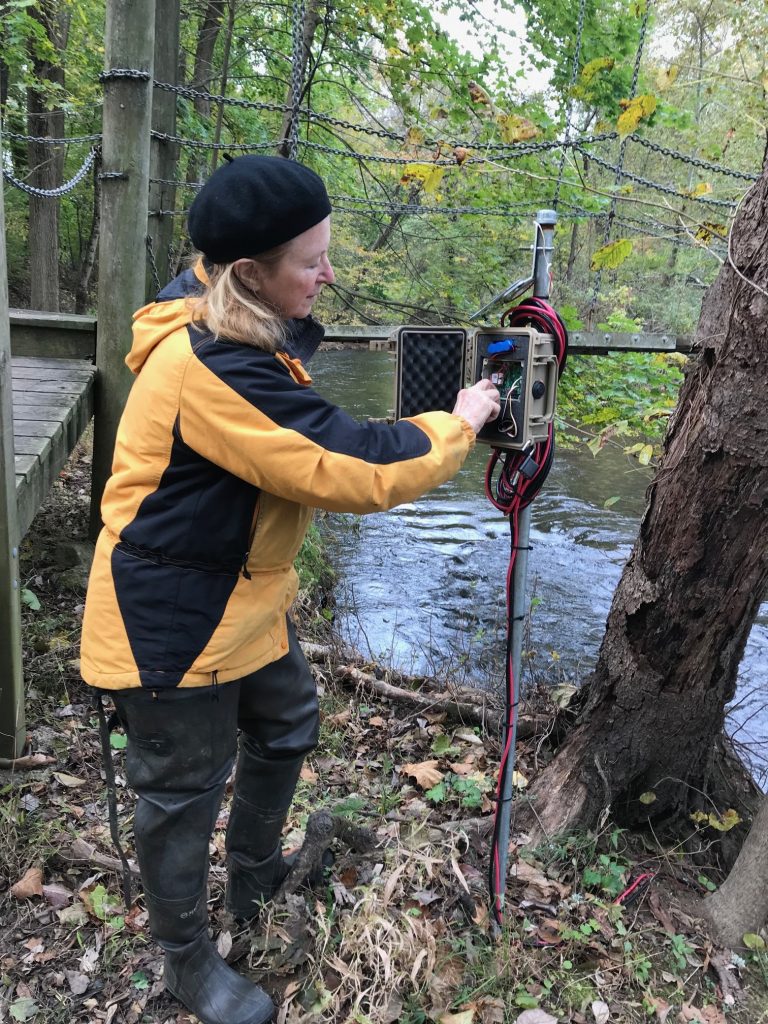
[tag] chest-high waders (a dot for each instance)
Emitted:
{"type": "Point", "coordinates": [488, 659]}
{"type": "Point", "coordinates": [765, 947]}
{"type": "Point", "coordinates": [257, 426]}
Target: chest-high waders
{"type": "Point", "coordinates": [181, 748]}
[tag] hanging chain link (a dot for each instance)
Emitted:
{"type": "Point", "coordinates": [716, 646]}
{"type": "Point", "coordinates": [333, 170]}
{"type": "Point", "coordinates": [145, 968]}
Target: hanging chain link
{"type": "Point", "coordinates": [53, 193]}
{"type": "Point", "coordinates": [153, 264]}
{"type": "Point", "coordinates": [47, 141]}
{"type": "Point", "coordinates": [569, 108]}
{"type": "Point", "coordinates": [619, 168]}
{"type": "Point", "coordinates": [694, 161]}
{"type": "Point", "coordinates": [669, 190]}
{"type": "Point", "coordinates": [298, 14]}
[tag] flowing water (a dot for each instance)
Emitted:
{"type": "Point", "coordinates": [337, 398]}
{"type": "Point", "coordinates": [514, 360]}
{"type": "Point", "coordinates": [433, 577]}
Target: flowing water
{"type": "Point", "coordinates": [422, 586]}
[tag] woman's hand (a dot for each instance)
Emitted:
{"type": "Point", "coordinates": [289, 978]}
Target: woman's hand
{"type": "Point", "coordinates": [478, 405]}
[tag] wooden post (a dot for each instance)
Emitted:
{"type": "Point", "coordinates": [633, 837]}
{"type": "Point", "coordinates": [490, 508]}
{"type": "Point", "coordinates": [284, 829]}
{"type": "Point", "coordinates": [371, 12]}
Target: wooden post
{"type": "Point", "coordinates": [123, 241]}
{"type": "Point", "coordinates": [164, 155]}
{"type": "Point", "coordinates": [12, 726]}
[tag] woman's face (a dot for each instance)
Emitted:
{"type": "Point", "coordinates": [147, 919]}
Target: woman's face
{"type": "Point", "coordinates": [293, 283]}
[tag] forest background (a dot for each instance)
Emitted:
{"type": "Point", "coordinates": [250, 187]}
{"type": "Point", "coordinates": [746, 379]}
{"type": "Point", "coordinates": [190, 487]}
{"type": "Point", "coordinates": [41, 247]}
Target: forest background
{"type": "Point", "coordinates": [436, 150]}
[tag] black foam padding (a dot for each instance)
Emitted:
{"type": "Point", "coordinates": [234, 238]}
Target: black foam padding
{"type": "Point", "coordinates": [430, 370]}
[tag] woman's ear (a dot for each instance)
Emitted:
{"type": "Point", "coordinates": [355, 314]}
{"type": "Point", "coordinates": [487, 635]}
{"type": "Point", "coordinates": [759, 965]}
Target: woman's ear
{"type": "Point", "coordinates": [248, 272]}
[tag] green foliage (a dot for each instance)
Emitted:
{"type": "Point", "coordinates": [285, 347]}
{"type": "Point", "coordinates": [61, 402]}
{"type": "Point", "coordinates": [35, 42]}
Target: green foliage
{"type": "Point", "coordinates": [467, 791]}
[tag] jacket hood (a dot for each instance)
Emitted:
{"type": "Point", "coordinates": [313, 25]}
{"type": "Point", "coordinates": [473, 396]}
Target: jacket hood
{"type": "Point", "coordinates": [171, 310]}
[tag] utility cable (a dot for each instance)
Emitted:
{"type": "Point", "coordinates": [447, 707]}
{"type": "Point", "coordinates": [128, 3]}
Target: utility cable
{"type": "Point", "coordinates": [513, 478]}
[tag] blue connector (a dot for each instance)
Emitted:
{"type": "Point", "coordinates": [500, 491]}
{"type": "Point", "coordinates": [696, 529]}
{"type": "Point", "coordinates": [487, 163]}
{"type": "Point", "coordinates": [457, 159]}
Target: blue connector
{"type": "Point", "coordinates": [505, 345]}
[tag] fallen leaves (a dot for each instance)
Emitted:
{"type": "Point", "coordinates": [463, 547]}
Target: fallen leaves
{"type": "Point", "coordinates": [29, 885]}
{"type": "Point", "coordinates": [426, 773]}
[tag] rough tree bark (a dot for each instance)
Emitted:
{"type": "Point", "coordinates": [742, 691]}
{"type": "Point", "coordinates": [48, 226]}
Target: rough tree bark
{"type": "Point", "coordinates": [740, 905]}
{"type": "Point", "coordinates": [311, 21]}
{"type": "Point", "coordinates": [651, 718]}
{"type": "Point", "coordinates": [203, 74]}
{"type": "Point", "coordinates": [45, 119]}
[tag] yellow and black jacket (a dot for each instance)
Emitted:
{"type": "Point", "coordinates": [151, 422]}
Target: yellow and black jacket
{"type": "Point", "coordinates": [223, 451]}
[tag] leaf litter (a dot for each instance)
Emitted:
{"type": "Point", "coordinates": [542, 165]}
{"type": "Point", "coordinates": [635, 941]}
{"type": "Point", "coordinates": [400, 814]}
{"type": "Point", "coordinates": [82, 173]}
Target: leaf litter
{"type": "Point", "coordinates": [400, 934]}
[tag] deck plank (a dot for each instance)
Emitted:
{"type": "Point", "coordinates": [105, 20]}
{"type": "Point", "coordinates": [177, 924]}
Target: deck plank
{"type": "Point", "coordinates": [52, 404]}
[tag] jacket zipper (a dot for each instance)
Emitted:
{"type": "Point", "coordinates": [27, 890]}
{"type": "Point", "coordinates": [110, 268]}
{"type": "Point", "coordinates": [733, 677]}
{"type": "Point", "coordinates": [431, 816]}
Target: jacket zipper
{"type": "Point", "coordinates": [251, 538]}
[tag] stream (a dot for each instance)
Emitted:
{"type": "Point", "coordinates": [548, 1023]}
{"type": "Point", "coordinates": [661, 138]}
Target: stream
{"type": "Point", "coordinates": [422, 587]}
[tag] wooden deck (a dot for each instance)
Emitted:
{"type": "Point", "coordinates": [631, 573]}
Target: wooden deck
{"type": "Point", "coordinates": [52, 404]}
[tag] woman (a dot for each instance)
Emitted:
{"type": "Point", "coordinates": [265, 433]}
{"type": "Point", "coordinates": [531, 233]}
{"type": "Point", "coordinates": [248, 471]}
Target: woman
{"type": "Point", "coordinates": [222, 453]}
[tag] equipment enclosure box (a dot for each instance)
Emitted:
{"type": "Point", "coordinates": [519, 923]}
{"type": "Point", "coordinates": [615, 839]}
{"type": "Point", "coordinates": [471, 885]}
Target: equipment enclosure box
{"type": "Point", "coordinates": [435, 363]}
{"type": "Point", "coordinates": [431, 364]}
{"type": "Point", "coordinates": [521, 362]}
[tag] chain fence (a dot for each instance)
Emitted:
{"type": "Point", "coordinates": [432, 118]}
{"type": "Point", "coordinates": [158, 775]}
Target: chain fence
{"type": "Point", "coordinates": [53, 193]}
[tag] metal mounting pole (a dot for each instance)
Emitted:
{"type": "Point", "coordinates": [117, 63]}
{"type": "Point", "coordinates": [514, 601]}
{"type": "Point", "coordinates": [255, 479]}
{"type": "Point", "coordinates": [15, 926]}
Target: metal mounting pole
{"type": "Point", "coordinates": [542, 258]}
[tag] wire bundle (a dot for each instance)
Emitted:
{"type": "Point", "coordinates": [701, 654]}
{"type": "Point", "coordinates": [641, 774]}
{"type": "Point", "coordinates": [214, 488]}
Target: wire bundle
{"type": "Point", "coordinates": [512, 481]}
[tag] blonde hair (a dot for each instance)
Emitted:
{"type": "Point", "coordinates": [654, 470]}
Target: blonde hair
{"type": "Point", "coordinates": [230, 309]}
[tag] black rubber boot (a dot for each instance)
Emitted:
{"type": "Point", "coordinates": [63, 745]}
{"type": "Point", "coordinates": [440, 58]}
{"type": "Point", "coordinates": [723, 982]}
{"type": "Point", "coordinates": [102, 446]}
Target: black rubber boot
{"type": "Point", "coordinates": [264, 789]}
{"type": "Point", "coordinates": [279, 720]}
{"type": "Point", "coordinates": [180, 751]}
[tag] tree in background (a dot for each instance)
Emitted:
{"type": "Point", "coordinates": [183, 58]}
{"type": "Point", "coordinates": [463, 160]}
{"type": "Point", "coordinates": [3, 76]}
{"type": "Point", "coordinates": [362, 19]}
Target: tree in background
{"type": "Point", "coordinates": [647, 739]}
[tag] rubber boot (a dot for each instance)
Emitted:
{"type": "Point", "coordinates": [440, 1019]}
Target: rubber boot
{"type": "Point", "coordinates": [279, 719]}
{"type": "Point", "coordinates": [264, 789]}
{"type": "Point", "coordinates": [181, 748]}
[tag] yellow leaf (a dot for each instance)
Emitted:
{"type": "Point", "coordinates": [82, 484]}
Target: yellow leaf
{"type": "Point", "coordinates": [589, 70]}
{"type": "Point", "coordinates": [634, 112]}
{"type": "Point", "coordinates": [519, 781]}
{"type": "Point", "coordinates": [414, 136]}
{"type": "Point", "coordinates": [667, 77]}
{"type": "Point", "coordinates": [724, 823]}
{"type": "Point", "coordinates": [429, 175]}
{"type": "Point", "coordinates": [699, 817]}
{"type": "Point", "coordinates": [647, 798]}
{"type": "Point", "coordinates": [646, 454]}
{"type": "Point", "coordinates": [611, 255]}
{"type": "Point", "coordinates": [514, 128]}
{"type": "Point", "coordinates": [464, 1017]}
{"type": "Point", "coordinates": [478, 94]}
{"type": "Point", "coordinates": [702, 189]}
{"type": "Point", "coordinates": [708, 229]}
{"type": "Point", "coordinates": [426, 773]}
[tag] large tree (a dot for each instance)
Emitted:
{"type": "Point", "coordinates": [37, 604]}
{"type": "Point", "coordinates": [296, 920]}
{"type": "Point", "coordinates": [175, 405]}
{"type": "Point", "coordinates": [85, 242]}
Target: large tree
{"type": "Point", "coordinates": [651, 718]}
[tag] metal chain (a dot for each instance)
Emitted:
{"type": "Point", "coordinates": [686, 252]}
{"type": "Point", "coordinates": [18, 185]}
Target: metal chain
{"type": "Point", "coordinates": [512, 209]}
{"type": "Point", "coordinates": [298, 14]}
{"type": "Point", "coordinates": [655, 185]}
{"type": "Point", "coordinates": [153, 265]}
{"type": "Point", "coordinates": [695, 161]}
{"type": "Point", "coordinates": [53, 193]}
{"type": "Point", "coordinates": [569, 107]}
{"type": "Point", "coordinates": [115, 73]}
{"type": "Point", "coordinates": [46, 141]}
{"type": "Point", "coordinates": [194, 144]}
{"type": "Point", "coordinates": [619, 169]}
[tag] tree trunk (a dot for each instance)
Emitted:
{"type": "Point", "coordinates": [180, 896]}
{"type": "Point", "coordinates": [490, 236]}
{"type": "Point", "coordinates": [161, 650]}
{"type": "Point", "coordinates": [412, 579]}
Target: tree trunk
{"type": "Point", "coordinates": [311, 21]}
{"type": "Point", "coordinates": [653, 711]}
{"type": "Point", "coordinates": [740, 905]}
{"type": "Point", "coordinates": [389, 229]}
{"type": "Point", "coordinates": [83, 291]}
{"type": "Point", "coordinates": [46, 162]}
{"type": "Point", "coordinates": [202, 75]}
{"type": "Point", "coordinates": [573, 252]}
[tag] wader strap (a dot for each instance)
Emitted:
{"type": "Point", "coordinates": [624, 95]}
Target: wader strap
{"type": "Point", "coordinates": [109, 774]}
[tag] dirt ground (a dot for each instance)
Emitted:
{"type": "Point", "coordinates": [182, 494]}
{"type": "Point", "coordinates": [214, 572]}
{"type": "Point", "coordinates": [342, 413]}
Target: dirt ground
{"type": "Point", "coordinates": [401, 933]}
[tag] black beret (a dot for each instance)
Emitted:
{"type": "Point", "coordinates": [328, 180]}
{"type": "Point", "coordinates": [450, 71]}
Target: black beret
{"type": "Point", "coordinates": [254, 203]}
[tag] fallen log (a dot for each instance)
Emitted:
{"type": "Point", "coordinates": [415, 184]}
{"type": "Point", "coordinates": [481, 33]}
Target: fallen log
{"type": "Point", "coordinates": [475, 712]}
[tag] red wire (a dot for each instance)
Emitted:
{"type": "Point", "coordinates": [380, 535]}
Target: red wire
{"type": "Point", "coordinates": [514, 487]}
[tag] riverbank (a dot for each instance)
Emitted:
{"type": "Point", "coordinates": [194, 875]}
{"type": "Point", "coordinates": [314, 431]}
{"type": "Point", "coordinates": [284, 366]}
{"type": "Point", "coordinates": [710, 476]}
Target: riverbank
{"type": "Point", "coordinates": [398, 934]}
